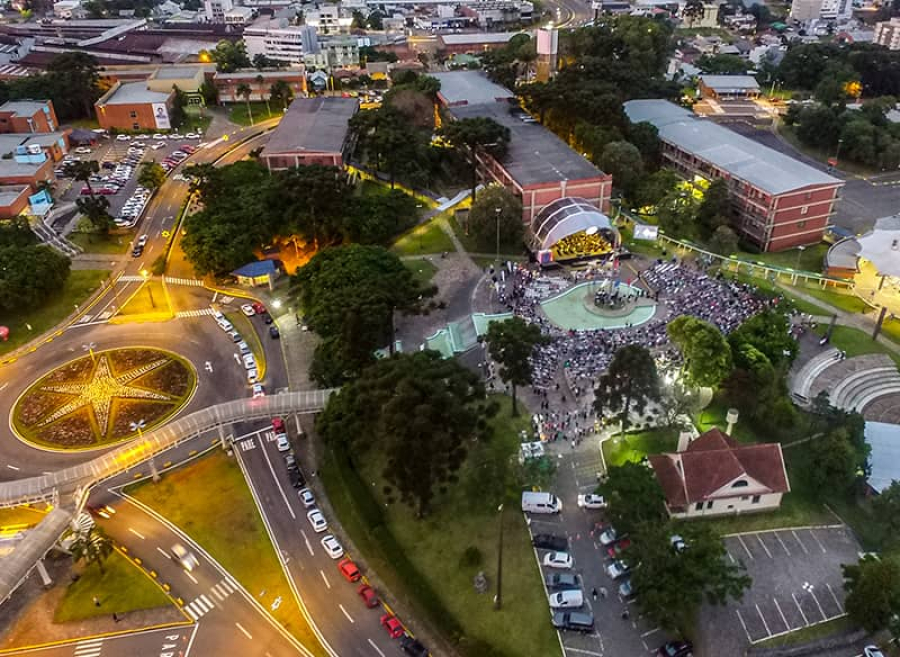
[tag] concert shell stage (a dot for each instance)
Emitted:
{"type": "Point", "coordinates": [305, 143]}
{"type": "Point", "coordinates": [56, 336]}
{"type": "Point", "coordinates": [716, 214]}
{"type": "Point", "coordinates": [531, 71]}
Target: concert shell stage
{"type": "Point", "coordinates": [571, 229]}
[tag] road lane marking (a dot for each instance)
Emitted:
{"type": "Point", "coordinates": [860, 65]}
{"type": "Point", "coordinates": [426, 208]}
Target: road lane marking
{"type": "Point", "coordinates": [278, 484]}
{"type": "Point", "coordinates": [763, 546]}
{"type": "Point", "coordinates": [744, 625]}
{"type": "Point", "coordinates": [800, 542]}
{"type": "Point", "coordinates": [11, 467]}
{"type": "Point", "coordinates": [744, 545]}
{"type": "Point", "coordinates": [245, 632]}
{"type": "Point", "coordinates": [377, 649]}
{"type": "Point", "coordinates": [349, 618]}
{"type": "Point", "coordinates": [137, 533]}
{"type": "Point", "coordinates": [228, 585]}
{"type": "Point", "coordinates": [162, 552]}
{"type": "Point", "coordinates": [782, 543]}
{"type": "Point", "coordinates": [800, 609]}
{"type": "Point", "coordinates": [783, 617]}
{"type": "Point", "coordinates": [191, 577]}
{"type": "Point", "coordinates": [308, 544]}
{"type": "Point", "coordinates": [763, 619]}
{"type": "Point", "coordinates": [836, 601]}
{"type": "Point", "coordinates": [322, 573]}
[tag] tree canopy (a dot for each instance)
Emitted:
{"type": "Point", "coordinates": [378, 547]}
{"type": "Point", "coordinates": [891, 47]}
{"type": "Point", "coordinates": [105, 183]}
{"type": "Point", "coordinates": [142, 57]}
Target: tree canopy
{"type": "Point", "coordinates": [29, 272]}
{"type": "Point", "coordinates": [512, 343]}
{"type": "Point", "coordinates": [71, 81]}
{"type": "Point", "coordinates": [707, 356]}
{"type": "Point", "coordinates": [483, 217]}
{"type": "Point", "coordinates": [471, 134]}
{"type": "Point", "coordinates": [151, 175]}
{"type": "Point", "coordinates": [873, 592]}
{"type": "Point", "coordinates": [634, 497]}
{"type": "Point", "coordinates": [230, 56]}
{"type": "Point", "coordinates": [630, 382]}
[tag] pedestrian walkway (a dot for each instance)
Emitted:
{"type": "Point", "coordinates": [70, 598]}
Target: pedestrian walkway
{"type": "Point", "coordinates": [183, 281]}
{"type": "Point", "coordinates": [195, 313]}
{"type": "Point", "coordinates": [89, 648]}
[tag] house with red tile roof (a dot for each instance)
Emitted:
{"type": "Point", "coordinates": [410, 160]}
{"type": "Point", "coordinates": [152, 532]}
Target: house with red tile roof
{"type": "Point", "coordinates": [716, 475]}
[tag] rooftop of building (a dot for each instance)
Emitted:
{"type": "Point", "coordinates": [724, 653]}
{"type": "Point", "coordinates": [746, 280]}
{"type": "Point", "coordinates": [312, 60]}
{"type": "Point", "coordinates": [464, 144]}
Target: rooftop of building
{"type": "Point", "coordinates": [478, 37]}
{"type": "Point", "coordinates": [133, 93]}
{"type": "Point", "coordinates": [9, 194]}
{"type": "Point", "coordinates": [177, 72]}
{"type": "Point", "coordinates": [748, 160]}
{"type": "Point", "coordinates": [13, 169]}
{"type": "Point", "coordinates": [24, 107]}
{"type": "Point", "coordinates": [469, 88]}
{"type": "Point", "coordinates": [294, 72]}
{"type": "Point", "coordinates": [313, 124]}
{"type": "Point", "coordinates": [10, 140]}
{"type": "Point", "coordinates": [730, 81]}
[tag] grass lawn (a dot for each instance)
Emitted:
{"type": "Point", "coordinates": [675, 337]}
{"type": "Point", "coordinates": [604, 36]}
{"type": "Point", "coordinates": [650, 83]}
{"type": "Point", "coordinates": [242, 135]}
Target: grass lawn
{"type": "Point", "coordinates": [97, 243]}
{"type": "Point", "coordinates": [16, 518]}
{"type": "Point", "coordinates": [122, 587]}
{"type": "Point", "coordinates": [78, 287]}
{"type": "Point", "coordinates": [149, 298]}
{"type": "Point", "coordinates": [419, 559]}
{"type": "Point", "coordinates": [810, 259]}
{"type": "Point", "coordinates": [424, 238]}
{"type": "Point", "coordinates": [193, 121]}
{"type": "Point", "coordinates": [715, 414]}
{"type": "Point", "coordinates": [856, 342]}
{"type": "Point", "coordinates": [423, 270]}
{"type": "Point", "coordinates": [802, 305]}
{"type": "Point", "coordinates": [243, 325]}
{"type": "Point", "coordinates": [891, 329]}
{"type": "Point", "coordinates": [845, 301]}
{"type": "Point", "coordinates": [472, 245]}
{"type": "Point", "coordinates": [209, 500]}
{"type": "Point", "coordinates": [635, 446]}
{"type": "Point", "coordinates": [807, 634]}
{"type": "Point", "coordinates": [238, 113]}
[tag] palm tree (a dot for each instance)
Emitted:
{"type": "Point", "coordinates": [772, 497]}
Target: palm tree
{"type": "Point", "coordinates": [244, 91]}
{"type": "Point", "coordinates": [282, 92]}
{"type": "Point", "coordinates": [82, 170]}
{"type": "Point", "coordinates": [91, 546]}
{"type": "Point", "coordinates": [260, 81]}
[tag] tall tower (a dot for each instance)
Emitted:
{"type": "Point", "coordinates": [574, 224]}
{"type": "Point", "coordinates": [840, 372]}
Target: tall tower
{"type": "Point", "coordinates": [547, 51]}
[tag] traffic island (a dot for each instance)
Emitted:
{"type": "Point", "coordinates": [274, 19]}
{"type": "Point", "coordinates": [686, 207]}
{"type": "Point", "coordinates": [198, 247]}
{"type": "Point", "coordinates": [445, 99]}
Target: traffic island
{"type": "Point", "coordinates": [103, 398]}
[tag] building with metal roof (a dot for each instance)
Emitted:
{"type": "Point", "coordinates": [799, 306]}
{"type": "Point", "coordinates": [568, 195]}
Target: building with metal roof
{"type": "Point", "coordinates": [134, 106]}
{"type": "Point", "coordinates": [576, 225]}
{"type": "Point", "coordinates": [729, 87]}
{"type": "Point", "coordinates": [313, 131]}
{"type": "Point", "coordinates": [778, 201]}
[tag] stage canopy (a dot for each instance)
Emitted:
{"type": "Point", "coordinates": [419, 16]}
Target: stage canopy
{"type": "Point", "coordinates": [571, 228]}
{"type": "Point", "coordinates": [881, 246]}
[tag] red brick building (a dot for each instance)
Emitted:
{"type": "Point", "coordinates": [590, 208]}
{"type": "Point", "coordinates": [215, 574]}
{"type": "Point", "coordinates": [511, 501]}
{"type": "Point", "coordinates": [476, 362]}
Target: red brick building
{"type": "Point", "coordinates": [134, 106]}
{"type": "Point", "coordinates": [313, 131]}
{"type": "Point", "coordinates": [538, 166]}
{"type": "Point", "coordinates": [778, 202]}
{"type": "Point", "coordinates": [28, 116]}
{"type": "Point", "coordinates": [13, 200]}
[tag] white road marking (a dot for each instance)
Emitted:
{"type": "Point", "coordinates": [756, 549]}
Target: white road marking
{"type": "Point", "coordinates": [744, 545]}
{"type": "Point", "coordinates": [800, 609]}
{"type": "Point", "coordinates": [763, 619]}
{"type": "Point", "coordinates": [836, 601]}
{"type": "Point", "coordinates": [208, 601]}
{"type": "Point", "coordinates": [201, 605]}
{"type": "Point", "coordinates": [818, 604]}
{"type": "Point", "coordinates": [191, 577]}
{"type": "Point", "coordinates": [245, 632]}
{"type": "Point", "coordinates": [800, 542]}
{"type": "Point", "coordinates": [781, 613]}
{"type": "Point", "coordinates": [11, 467]}
{"type": "Point", "coordinates": [377, 649]}
{"type": "Point", "coordinates": [3, 387]}
{"type": "Point", "coordinates": [322, 573]}
{"type": "Point", "coordinates": [782, 543]}
{"type": "Point", "coordinates": [278, 484]}
{"type": "Point", "coordinates": [583, 652]}
{"type": "Point", "coordinates": [818, 541]}
{"type": "Point", "coordinates": [190, 612]}
{"type": "Point", "coordinates": [308, 544]}
{"type": "Point", "coordinates": [744, 625]}
{"type": "Point", "coordinates": [162, 552]}
{"type": "Point", "coordinates": [763, 546]}
{"type": "Point", "coordinates": [137, 533]}
{"type": "Point", "coordinates": [349, 618]}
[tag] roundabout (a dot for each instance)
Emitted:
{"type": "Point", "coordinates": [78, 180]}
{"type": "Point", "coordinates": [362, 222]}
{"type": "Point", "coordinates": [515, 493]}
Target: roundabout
{"type": "Point", "coordinates": [103, 398]}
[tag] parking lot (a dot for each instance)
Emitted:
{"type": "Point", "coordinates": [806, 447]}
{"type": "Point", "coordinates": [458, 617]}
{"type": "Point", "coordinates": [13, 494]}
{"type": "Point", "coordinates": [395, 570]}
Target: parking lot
{"type": "Point", "coordinates": [797, 582]}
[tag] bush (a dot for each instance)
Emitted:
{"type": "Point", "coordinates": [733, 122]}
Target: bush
{"type": "Point", "coordinates": [158, 268]}
{"type": "Point", "coordinates": [471, 558]}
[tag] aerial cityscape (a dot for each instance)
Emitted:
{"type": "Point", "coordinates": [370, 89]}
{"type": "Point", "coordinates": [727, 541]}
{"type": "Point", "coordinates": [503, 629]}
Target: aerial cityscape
{"type": "Point", "coordinates": [450, 328]}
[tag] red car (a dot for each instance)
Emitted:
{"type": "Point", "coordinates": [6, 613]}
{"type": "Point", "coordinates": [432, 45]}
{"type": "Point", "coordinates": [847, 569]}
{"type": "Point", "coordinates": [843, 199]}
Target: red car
{"type": "Point", "coordinates": [393, 626]}
{"type": "Point", "coordinates": [258, 308]}
{"type": "Point", "coordinates": [369, 596]}
{"type": "Point", "coordinates": [349, 570]}
{"type": "Point", "coordinates": [615, 550]}
{"type": "Point", "coordinates": [278, 425]}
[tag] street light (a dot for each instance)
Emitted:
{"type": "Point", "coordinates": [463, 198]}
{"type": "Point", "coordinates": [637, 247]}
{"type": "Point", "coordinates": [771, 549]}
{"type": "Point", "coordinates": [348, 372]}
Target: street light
{"type": "Point", "coordinates": [276, 304]}
{"type": "Point", "coordinates": [497, 212]}
{"type": "Point", "coordinates": [800, 250]}
{"type": "Point", "coordinates": [146, 276]}
{"type": "Point", "coordinates": [498, 599]}
{"type": "Point", "coordinates": [89, 347]}
{"type": "Point", "coordinates": [138, 426]}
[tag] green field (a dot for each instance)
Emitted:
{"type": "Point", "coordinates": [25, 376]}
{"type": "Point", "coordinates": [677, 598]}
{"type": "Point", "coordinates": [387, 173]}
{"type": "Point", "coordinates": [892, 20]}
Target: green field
{"type": "Point", "coordinates": [238, 113]}
{"type": "Point", "coordinates": [807, 634]}
{"type": "Point", "coordinates": [423, 270]}
{"type": "Point", "coordinates": [424, 239]}
{"type": "Point", "coordinates": [114, 244]}
{"type": "Point", "coordinates": [419, 559]}
{"type": "Point", "coordinates": [856, 342]}
{"type": "Point", "coordinates": [121, 587]}
{"type": "Point", "coordinates": [635, 446]}
{"type": "Point", "coordinates": [78, 287]}
{"type": "Point", "coordinates": [209, 500]}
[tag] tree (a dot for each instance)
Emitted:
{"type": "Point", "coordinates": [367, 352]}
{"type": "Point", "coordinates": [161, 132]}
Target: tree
{"type": "Point", "coordinates": [624, 162]}
{"type": "Point", "coordinates": [512, 344]}
{"type": "Point", "coordinates": [473, 134]}
{"type": "Point", "coordinates": [419, 411]}
{"type": "Point", "coordinates": [723, 64]}
{"type": "Point", "coordinates": [244, 91]}
{"type": "Point", "coordinates": [152, 175]}
{"type": "Point", "coordinates": [634, 497]}
{"type": "Point", "coordinates": [83, 170]}
{"type": "Point", "coordinates": [96, 209]}
{"type": "Point", "coordinates": [29, 273]}
{"type": "Point", "coordinates": [350, 295]}
{"type": "Point", "coordinates": [378, 219]}
{"type": "Point", "coordinates": [281, 94]}
{"type": "Point", "coordinates": [693, 9]}
{"type": "Point", "coordinates": [384, 135]}
{"type": "Point", "coordinates": [652, 189]}
{"type": "Point", "coordinates": [486, 224]}
{"type": "Point", "coordinates": [73, 82]}
{"type": "Point", "coordinates": [91, 546]}
{"type": "Point", "coordinates": [314, 201]}
{"type": "Point", "coordinates": [675, 583]}
{"type": "Point", "coordinates": [260, 85]}
{"type": "Point", "coordinates": [630, 382]}
{"type": "Point", "coordinates": [769, 332]}
{"type": "Point", "coordinates": [230, 56]}
{"type": "Point", "coordinates": [715, 208]}
{"type": "Point", "coordinates": [677, 214]}
{"type": "Point", "coordinates": [886, 509]}
{"type": "Point", "coordinates": [873, 592]}
{"type": "Point", "coordinates": [724, 241]}
{"type": "Point", "coordinates": [834, 464]}
{"type": "Point", "coordinates": [707, 356]}
{"type": "Point", "coordinates": [645, 137]}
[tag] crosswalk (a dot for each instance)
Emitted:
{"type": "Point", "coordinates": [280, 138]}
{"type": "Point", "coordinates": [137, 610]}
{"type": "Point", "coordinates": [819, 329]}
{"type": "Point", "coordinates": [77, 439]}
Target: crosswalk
{"type": "Point", "coordinates": [183, 281]}
{"type": "Point", "coordinates": [88, 648]}
{"type": "Point", "coordinates": [130, 278]}
{"type": "Point", "coordinates": [202, 604]}
{"type": "Point", "coordinates": [194, 313]}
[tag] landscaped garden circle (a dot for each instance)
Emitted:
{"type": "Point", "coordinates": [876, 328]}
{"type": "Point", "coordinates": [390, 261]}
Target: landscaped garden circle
{"type": "Point", "coordinates": [104, 398]}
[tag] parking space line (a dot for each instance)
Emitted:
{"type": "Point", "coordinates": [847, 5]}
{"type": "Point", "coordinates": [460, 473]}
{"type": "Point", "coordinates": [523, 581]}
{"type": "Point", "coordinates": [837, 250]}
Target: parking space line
{"type": "Point", "coordinates": [763, 546]}
{"type": "Point", "coordinates": [377, 649]}
{"type": "Point", "coordinates": [781, 613]}
{"type": "Point", "coordinates": [836, 601]}
{"type": "Point", "coordinates": [818, 604]}
{"type": "Point", "coordinates": [800, 609]}
{"type": "Point", "coordinates": [818, 541]}
{"type": "Point", "coordinates": [797, 538]}
{"type": "Point", "coordinates": [744, 545]}
{"type": "Point", "coordinates": [763, 619]}
{"type": "Point", "coordinates": [582, 651]}
{"type": "Point", "coordinates": [782, 543]}
{"type": "Point", "coordinates": [649, 632]}
{"type": "Point", "coordinates": [744, 625]}
{"type": "Point", "coordinates": [322, 573]}
{"type": "Point", "coordinates": [730, 557]}
{"type": "Point", "coordinates": [349, 618]}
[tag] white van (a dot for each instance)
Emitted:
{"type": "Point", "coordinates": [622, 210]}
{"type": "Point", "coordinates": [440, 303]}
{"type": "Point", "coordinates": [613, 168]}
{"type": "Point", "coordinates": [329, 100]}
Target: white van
{"type": "Point", "coordinates": [540, 503]}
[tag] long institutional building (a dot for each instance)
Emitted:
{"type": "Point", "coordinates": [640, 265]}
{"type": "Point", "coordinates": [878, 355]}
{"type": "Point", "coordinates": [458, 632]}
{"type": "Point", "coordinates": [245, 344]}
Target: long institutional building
{"type": "Point", "coordinates": [779, 202]}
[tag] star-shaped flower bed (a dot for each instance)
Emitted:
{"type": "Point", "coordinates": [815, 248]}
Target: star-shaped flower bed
{"type": "Point", "coordinates": [94, 401]}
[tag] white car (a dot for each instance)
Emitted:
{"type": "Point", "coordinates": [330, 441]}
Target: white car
{"type": "Point", "coordinates": [306, 496]}
{"type": "Point", "coordinates": [159, 135]}
{"type": "Point", "coordinates": [84, 150]}
{"type": "Point", "coordinates": [247, 309]}
{"type": "Point", "coordinates": [192, 135]}
{"type": "Point", "coordinates": [872, 651]}
{"type": "Point", "coordinates": [158, 145]}
{"type": "Point", "coordinates": [567, 599]}
{"type": "Point", "coordinates": [249, 362]}
{"type": "Point", "coordinates": [317, 520]}
{"type": "Point", "coordinates": [617, 569]}
{"type": "Point", "coordinates": [591, 501]}
{"type": "Point", "coordinates": [678, 543]}
{"type": "Point", "coordinates": [185, 557]}
{"type": "Point", "coordinates": [258, 391]}
{"type": "Point", "coordinates": [142, 240]}
{"type": "Point", "coordinates": [123, 137]}
{"type": "Point", "coordinates": [608, 537]}
{"type": "Point", "coordinates": [282, 442]}
{"type": "Point", "coordinates": [558, 560]}
{"type": "Point", "coordinates": [252, 377]}
{"type": "Point", "coordinates": [332, 546]}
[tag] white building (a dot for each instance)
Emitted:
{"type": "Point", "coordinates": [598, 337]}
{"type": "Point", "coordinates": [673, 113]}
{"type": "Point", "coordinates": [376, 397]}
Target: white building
{"type": "Point", "coordinates": [887, 33]}
{"type": "Point", "coordinates": [216, 9]}
{"type": "Point", "coordinates": [239, 16]}
{"type": "Point", "coordinates": [277, 39]}
{"type": "Point", "coordinates": [335, 53]}
{"type": "Point", "coordinates": [807, 10]}
{"type": "Point", "coordinates": [328, 19]}
{"type": "Point", "coordinates": [68, 9]}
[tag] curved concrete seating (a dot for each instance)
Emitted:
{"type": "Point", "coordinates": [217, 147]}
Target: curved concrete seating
{"type": "Point", "coordinates": [846, 391]}
{"type": "Point", "coordinates": [803, 380]}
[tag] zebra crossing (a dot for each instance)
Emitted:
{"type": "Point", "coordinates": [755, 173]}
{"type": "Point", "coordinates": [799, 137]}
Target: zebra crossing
{"type": "Point", "coordinates": [202, 605]}
{"type": "Point", "coordinates": [88, 648]}
{"type": "Point", "coordinates": [194, 313]}
{"type": "Point", "coordinates": [183, 281]}
{"type": "Point", "coordinates": [130, 278]}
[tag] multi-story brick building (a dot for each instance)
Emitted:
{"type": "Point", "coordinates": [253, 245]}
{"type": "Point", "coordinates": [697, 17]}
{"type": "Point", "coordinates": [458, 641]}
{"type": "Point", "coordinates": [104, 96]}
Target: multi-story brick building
{"type": "Point", "coordinates": [778, 202]}
{"type": "Point", "coordinates": [260, 83]}
{"type": "Point", "coordinates": [134, 106]}
{"type": "Point", "coordinates": [538, 166]}
{"type": "Point", "coordinates": [28, 116]}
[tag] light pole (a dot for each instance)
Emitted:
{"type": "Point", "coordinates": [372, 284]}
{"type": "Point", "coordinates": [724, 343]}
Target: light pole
{"type": "Point", "coordinates": [498, 599]}
{"type": "Point", "coordinates": [800, 250]}
{"type": "Point", "coordinates": [89, 347]}
{"type": "Point", "coordinates": [146, 276]}
{"type": "Point", "coordinates": [837, 153]}
{"type": "Point", "coordinates": [497, 212]}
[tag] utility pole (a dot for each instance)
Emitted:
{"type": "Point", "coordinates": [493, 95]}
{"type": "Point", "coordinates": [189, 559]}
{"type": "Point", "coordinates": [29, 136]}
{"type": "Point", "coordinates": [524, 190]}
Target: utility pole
{"type": "Point", "coordinates": [498, 599]}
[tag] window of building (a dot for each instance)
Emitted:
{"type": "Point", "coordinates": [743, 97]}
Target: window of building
{"type": "Point", "coordinates": [709, 504]}
{"type": "Point", "coordinates": [743, 498]}
{"type": "Point", "coordinates": [801, 224]}
{"type": "Point", "coordinates": [132, 114]}
{"type": "Point", "coordinates": [755, 499]}
{"type": "Point", "coordinates": [804, 209]}
{"type": "Point", "coordinates": [135, 126]}
{"type": "Point", "coordinates": [698, 506]}
{"type": "Point", "coordinates": [740, 483]}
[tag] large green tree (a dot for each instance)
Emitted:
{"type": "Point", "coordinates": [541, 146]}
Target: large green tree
{"type": "Point", "coordinates": [471, 135]}
{"type": "Point", "coordinates": [419, 413]}
{"type": "Point", "coordinates": [834, 463]}
{"type": "Point", "coordinates": [492, 228]}
{"type": "Point", "coordinates": [92, 546]}
{"type": "Point", "coordinates": [350, 295]}
{"type": "Point", "coordinates": [230, 56]}
{"type": "Point", "coordinates": [151, 175]}
{"type": "Point", "coordinates": [706, 354]}
{"type": "Point", "coordinates": [714, 210]}
{"type": "Point", "coordinates": [769, 332]}
{"type": "Point", "coordinates": [873, 592]}
{"type": "Point", "coordinates": [634, 497]}
{"type": "Point", "coordinates": [886, 509]}
{"type": "Point", "coordinates": [624, 162]}
{"type": "Point", "coordinates": [29, 274]}
{"type": "Point", "coordinates": [629, 384]}
{"type": "Point", "coordinates": [512, 344]}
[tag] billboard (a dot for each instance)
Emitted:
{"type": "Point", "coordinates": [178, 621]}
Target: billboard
{"type": "Point", "coordinates": [645, 232]}
{"type": "Point", "coordinates": [161, 116]}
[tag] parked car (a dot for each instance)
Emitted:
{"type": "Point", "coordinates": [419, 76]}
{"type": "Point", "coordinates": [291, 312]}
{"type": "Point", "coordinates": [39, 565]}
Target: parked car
{"type": "Point", "coordinates": [274, 333]}
{"type": "Point", "coordinates": [573, 620]}
{"type": "Point", "coordinates": [677, 542]}
{"type": "Point", "coordinates": [368, 595]}
{"type": "Point", "coordinates": [558, 560]}
{"type": "Point", "coordinates": [296, 477]}
{"type": "Point", "coordinates": [626, 589]}
{"type": "Point", "coordinates": [258, 308]}
{"type": "Point", "coordinates": [568, 599]}
{"type": "Point", "coordinates": [282, 443]}
{"type": "Point", "coordinates": [317, 520]}
{"type": "Point", "coordinates": [258, 391]}
{"type": "Point", "coordinates": [332, 546]}
{"type": "Point", "coordinates": [591, 501]}
{"type": "Point", "coordinates": [306, 497]}
{"type": "Point", "coordinates": [349, 570]}
{"type": "Point", "coordinates": [676, 649]}
{"type": "Point", "coordinates": [278, 425]}
{"type": "Point", "coordinates": [562, 581]}
{"type": "Point", "coordinates": [617, 569]}
{"type": "Point", "coordinates": [290, 461]}
{"type": "Point", "coordinates": [393, 626]}
{"type": "Point", "coordinates": [872, 651]}
{"type": "Point", "coordinates": [550, 542]}
{"type": "Point", "coordinates": [413, 647]}
{"type": "Point", "coordinates": [608, 537]}
{"type": "Point", "coordinates": [615, 550]}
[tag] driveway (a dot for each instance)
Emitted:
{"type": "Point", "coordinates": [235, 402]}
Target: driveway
{"type": "Point", "coordinates": [797, 582]}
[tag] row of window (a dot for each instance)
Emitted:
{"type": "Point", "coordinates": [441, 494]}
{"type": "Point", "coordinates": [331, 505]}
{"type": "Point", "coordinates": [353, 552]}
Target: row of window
{"type": "Point", "coordinates": [699, 506]}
